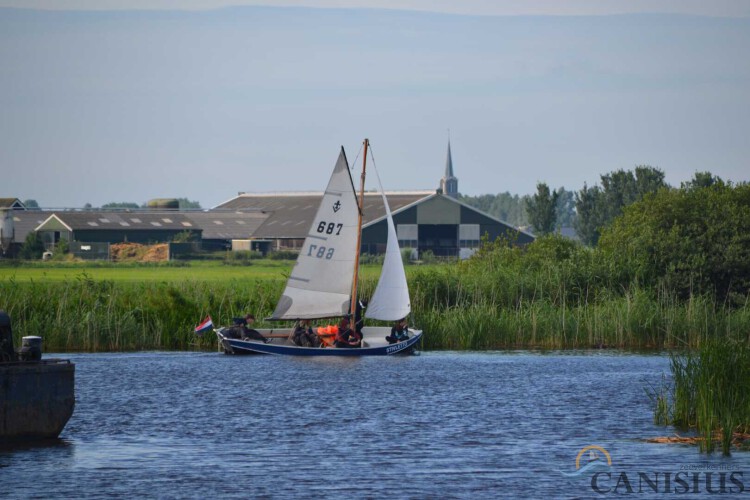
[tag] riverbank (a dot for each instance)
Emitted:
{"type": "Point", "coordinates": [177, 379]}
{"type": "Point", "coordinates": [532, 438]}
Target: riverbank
{"type": "Point", "coordinates": [85, 314]}
{"type": "Point", "coordinates": [551, 294]}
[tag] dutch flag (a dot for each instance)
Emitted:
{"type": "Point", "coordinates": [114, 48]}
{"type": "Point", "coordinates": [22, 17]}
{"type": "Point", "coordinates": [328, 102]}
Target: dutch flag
{"type": "Point", "coordinates": [206, 325]}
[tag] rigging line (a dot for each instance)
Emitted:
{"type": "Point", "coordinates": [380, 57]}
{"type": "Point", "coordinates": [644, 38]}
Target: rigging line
{"type": "Point", "coordinates": [374, 166]}
{"type": "Point", "coordinates": [353, 163]}
{"type": "Point", "coordinates": [372, 156]}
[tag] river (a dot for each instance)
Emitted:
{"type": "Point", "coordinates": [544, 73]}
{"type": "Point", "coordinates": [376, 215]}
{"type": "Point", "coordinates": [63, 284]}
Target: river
{"type": "Point", "coordinates": [445, 424]}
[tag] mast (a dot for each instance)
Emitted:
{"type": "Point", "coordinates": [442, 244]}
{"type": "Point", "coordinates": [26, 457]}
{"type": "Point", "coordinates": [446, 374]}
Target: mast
{"type": "Point", "coordinates": [353, 302]}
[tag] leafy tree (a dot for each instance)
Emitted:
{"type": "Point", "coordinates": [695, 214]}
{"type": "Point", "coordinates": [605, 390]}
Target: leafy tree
{"type": "Point", "coordinates": [184, 237]}
{"type": "Point", "coordinates": [511, 208]}
{"type": "Point", "coordinates": [619, 190]}
{"type": "Point", "coordinates": [702, 180]}
{"type": "Point", "coordinates": [566, 208]}
{"type": "Point", "coordinates": [504, 206]}
{"type": "Point", "coordinates": [588, 201]}
{"type": "Point", "coordinates": [648, 180]}
{"type": "Point", "coordinates": [185, 203]}
{"type": "Point", "coordinates": [31, 204]}
{"type": "Point", "coordinates": [542, 209]}
{"type": "Point", "coordinates": [32, 247]}
{"type": "Point", "coordinates": [62, 248]}
{"type": "Point", "coordinates": [88, 206]}
{"type": "Point", "coordinates": [693, 241]}
{"type": "Point", "coordinates": [597, 207]}
{"type": "Point", "coordinates": [122, 204]}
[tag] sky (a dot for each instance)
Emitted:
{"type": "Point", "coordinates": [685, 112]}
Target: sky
{"type": "Point", "coordinates": [471, 7]}
{"type": "Point", "coordinates": [106, 101]}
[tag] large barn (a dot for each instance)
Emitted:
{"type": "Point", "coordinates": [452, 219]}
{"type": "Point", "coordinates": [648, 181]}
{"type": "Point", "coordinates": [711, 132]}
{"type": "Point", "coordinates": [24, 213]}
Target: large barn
{"type": "Point", "coordinates": [425, 221]}
{"type": "Point", "coordinates": [115, 227]}
{"type": "Point", "coordinates": [434, 221]}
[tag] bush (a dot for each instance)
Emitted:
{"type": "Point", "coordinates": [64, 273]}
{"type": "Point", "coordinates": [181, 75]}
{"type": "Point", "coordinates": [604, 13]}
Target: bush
{"type": "Point", "coordinates": [245, 255]}
{"type": "Point", "coordinates": [427, 257]}
{"type": "Point", "coordinates": [369, 258]}
{"type": "Point", "coordinates": [185, 237]}
{"type": "Point", "coordinates": [283, 255]}
{"type": "Point", "coordinates": [32, 248]}
{"type": "Point", "coordinates": [406, 255]}
{"type": "Point", "coordinates": [61, 250]}
{"type": "Point", "coordinates": [689, 241]}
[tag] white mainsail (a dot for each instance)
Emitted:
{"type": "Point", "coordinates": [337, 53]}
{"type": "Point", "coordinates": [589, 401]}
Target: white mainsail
{"type": "Point", "coordinates": [391, 298]}
{"type": "Point", "coordinates": [320, 283]}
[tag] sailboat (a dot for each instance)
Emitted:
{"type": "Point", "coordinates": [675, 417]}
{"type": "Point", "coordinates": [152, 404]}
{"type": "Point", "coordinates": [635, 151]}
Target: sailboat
{"type": "Point", "coordinates": [323, 284]}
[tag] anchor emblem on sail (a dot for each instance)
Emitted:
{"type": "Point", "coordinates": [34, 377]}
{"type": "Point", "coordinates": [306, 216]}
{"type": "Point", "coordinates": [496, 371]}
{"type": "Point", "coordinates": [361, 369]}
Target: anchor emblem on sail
{"type": "Point", "coordinates": [337, 206]}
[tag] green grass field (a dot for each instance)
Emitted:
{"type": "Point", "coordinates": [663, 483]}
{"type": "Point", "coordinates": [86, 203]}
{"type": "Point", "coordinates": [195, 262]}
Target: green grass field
{"type": "Point", "coordinates": [196, 271]}
{"type": "Point", "coordinates": [124, 307]}
{"type": "Point", "coordinates": [201, 271]}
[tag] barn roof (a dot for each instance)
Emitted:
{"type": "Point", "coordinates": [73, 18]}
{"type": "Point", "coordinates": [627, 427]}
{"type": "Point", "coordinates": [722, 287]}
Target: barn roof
{"type": "Point", "coordinates": [26, 221]}
{"type": "Point", "coordinates": [227, 224]}
{"type": "Point", "coordinates": [289, 215]}
{"type": "Point", "coordinates": [109, 220]}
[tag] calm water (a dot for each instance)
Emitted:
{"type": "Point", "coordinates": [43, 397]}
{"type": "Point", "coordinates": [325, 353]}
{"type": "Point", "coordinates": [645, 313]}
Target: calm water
{"type": "Point", "coordinates": [177, 425]}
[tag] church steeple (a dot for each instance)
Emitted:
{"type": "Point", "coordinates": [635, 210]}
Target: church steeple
{"type": "Point", "coordinates": [449, 183]}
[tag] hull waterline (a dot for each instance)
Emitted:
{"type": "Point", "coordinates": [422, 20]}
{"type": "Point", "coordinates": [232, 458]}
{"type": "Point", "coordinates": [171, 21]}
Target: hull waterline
{"type": "Point", "coordinates": [285, 347]}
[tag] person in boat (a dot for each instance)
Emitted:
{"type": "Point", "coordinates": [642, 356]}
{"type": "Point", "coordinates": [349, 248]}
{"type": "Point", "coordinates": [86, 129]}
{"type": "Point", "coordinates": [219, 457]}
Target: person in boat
{"type": "Point", "coordinates": [346, 337]}
{"type": "Point", "coordinates": [358, 319]}
{"type": "Point", "coordinates": [399, 332]}
{"type": "Point", "coordinates": [303, 334]}
{"type": "Point", "coordinates": [327, 335]}
{"type": "Point", "coordinates": [235, 331]}
{"type": "Point", "coordinates": [249, 333]}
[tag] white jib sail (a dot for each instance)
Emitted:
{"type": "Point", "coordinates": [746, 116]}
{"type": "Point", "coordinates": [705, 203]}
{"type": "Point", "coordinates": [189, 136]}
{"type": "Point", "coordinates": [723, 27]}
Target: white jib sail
{"type": "Point", "coordinates": [391, 298]}
{"type": "Point", "coordinates": [321, 281]}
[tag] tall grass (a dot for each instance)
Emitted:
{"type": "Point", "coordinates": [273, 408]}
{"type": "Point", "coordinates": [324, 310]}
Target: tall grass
{"type": "Point", "coordinates": [88, 315]}
{"type": "Point", "coordinates": [559, 298]}
{"type": "Point", "coordinates": [624, 322]}
{"type": "Point", "coordinates": [710, 392]}
{"type": "Point", "coordinates": [553, 294]}
{"type": "Point", "coordinates": [454, 311]}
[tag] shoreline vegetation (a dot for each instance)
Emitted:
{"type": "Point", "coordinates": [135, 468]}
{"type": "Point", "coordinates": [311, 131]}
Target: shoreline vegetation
{"type": "Point", "coordinates": [553, 294]}
{"type": "Point", "coordinates": [708, 395]}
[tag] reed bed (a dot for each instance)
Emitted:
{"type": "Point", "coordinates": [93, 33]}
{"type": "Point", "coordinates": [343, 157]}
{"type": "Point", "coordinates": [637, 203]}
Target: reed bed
{"type": "Point", "coordinates": [710, 392]}
{"type": "Point", "coordinates": [455, 311]}
{"type": "Point", "coordinates": [553, 294]}
{"type": "Point", "coordinates": [616, 323]}
{"type": "Point", "coordinates": [519, 301]}
{"type": "Point", "coordinates": [88, 315]}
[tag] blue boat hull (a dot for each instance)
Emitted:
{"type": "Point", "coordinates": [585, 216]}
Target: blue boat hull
{"type": "Point", "coordinates": [237, 346]}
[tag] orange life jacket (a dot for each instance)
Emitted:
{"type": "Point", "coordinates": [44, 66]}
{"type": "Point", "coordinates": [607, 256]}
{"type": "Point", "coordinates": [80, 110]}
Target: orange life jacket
{"type": "Point", "coordinates": [327, 334]}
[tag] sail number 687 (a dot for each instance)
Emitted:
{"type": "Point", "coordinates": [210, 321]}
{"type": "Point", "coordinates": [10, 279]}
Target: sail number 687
{"type": "Point", "coordinates": [329, 227]}
{"type": "Point", "coordinates": [322, 252]}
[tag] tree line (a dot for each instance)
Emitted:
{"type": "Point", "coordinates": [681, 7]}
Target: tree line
{"type": "Point", "coordinates": [590, 210]}
{"type": "Point", "coordinates": [512, 208]}
{"type": "Point", "coordinates": [688, 241]}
